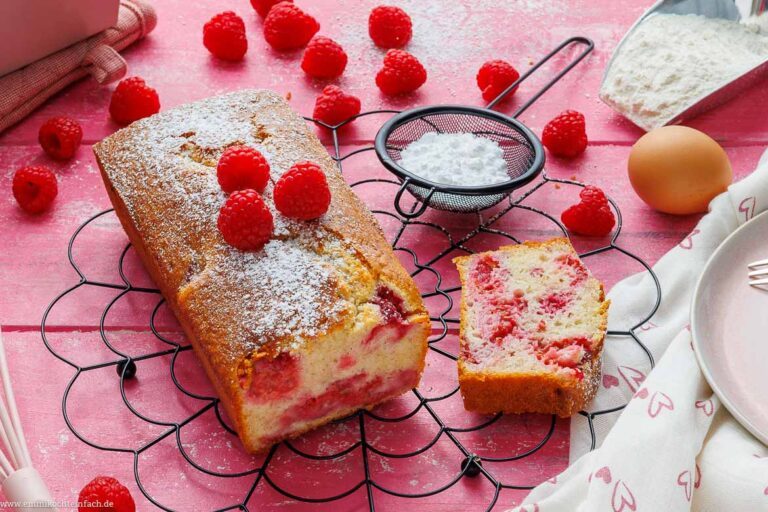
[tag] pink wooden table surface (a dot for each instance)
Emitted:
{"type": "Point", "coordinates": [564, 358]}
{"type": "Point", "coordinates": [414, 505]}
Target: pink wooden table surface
{"type": "Point", "coordinates": [452, 38]}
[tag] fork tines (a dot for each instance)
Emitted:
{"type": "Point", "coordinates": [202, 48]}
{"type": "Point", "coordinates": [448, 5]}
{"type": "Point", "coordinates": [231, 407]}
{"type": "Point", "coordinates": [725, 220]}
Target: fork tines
{"type": "Point", "coordinates": [759, 273]}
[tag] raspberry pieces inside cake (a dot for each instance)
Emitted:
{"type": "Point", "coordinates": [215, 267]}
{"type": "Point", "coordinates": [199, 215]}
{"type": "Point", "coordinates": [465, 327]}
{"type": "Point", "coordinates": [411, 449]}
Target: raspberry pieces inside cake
{"type": "Point", "coordinates": [533, 321]}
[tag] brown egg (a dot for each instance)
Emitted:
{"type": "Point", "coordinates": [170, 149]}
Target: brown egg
{"type": "Point", "coordinates": [678, 170]}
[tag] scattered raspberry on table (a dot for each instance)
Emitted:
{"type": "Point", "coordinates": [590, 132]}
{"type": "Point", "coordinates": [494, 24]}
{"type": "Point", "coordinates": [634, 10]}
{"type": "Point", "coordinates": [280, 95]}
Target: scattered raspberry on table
{"type": "Point", "coordinates": [324, 58]}
{"type": "Point", "coordinates": [245, 221]}
{"type": "Point", "coordinates": [104, 489]}
{"type": "Point", "coordinates": [390, 27]}
{"type": "Point", "coordinates": [302, 192]}
{"type": "Point", "coordinates": [402, 73]}
{"type": "Point", "coordinates": [263, 6]}
{"type": "Point", "coordinates": [494, 76]}
{"type": "Point", "coordinates": [592, 216]}
{"type": "Point", "coordinates": [133, 99]}
{"type": "Point", "coordinates": [566, 134]}
{"type": "Point", "coordinates": [287, 27]}
{"type": "Point", "coordinates": [241, 167]}
{"type": "Point", "coordinates": [334, 106]}
{"type": "Point", "coordinates": [224, 36]}
{"type": "Point", "coordinates": [34, 188]}
{"type": "Point", "coordinates": [60, 137]}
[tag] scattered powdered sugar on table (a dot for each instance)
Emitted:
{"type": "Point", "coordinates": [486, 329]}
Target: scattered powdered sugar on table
{"type": "Point", "coordinates": [670, 61]}
{"type": "Point", "coordinates": [286, 287]}
{"type": "Point", "coordinates": [446, 36]}
{"type": "Point", "coordinates": [461, 159]}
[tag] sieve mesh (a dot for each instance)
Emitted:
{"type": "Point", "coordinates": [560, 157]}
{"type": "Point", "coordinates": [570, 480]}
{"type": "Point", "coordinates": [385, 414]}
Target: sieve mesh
{"type": "Point", "coordinates": [522, 153]}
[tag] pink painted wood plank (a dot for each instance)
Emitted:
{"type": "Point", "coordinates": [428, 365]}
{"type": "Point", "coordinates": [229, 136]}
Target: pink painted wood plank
{"type": "Point", "coordinates": [451, 38]}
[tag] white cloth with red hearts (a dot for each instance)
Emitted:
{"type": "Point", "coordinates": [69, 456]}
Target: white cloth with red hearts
{"type": "Point", "coordinates": [674, 448]}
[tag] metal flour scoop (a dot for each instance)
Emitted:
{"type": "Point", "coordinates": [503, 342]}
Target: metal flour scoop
{"type": "Point", "coordinates": [723, 9]}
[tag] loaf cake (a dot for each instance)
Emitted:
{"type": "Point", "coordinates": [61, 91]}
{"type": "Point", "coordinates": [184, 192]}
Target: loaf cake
{"type": "Point", "coordinates": [533, 321]}
{"type": "Point", "coordinates": [319, 323]}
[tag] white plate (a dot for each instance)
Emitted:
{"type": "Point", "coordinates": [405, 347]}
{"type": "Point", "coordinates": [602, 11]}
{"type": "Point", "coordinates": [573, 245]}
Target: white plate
{"type": "Point", "coordinates": [729, 323]}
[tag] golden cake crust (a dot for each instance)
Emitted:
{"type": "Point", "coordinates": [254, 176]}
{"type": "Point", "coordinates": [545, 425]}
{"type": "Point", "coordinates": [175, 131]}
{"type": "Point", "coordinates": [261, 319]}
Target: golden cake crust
{"type": "Point", "coordinates": [532, 392]}
{"type": "Point", "coordinates": [311, 281]}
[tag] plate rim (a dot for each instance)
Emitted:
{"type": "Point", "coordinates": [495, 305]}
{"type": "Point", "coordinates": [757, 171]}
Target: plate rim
{"type": "Point", "coordinates": [727, 403]}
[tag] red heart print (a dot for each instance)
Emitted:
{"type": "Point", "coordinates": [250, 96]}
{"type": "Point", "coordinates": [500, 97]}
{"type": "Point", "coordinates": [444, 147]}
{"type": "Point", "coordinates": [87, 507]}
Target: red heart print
{"type": "Point", "coordinates": [610, 381]}
{"type": "Point", "coordinates": [659, 401]}
{"type": "Point", "coordinates": [648, 326]}
{"type": "Point", "coordinates": [747, 207]}
{"type": "Point", "coordinates": [706, 406]}
{"type": "Point", "coordinates": [632, 376]}
{"type": "Point", "coordinates": [684, 480]}
{"type": "Point", "coordinates": [642, 394]}
{"type": "Point", "coordinates": [604, 474]}
{"type": "Point", "coordinates": [687, 242]}
{"type": "Point", "coordinates": [622, 498]}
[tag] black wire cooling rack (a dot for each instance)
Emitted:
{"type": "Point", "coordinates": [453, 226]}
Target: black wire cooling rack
{"type": "Point", "coordinates": [266, 471]}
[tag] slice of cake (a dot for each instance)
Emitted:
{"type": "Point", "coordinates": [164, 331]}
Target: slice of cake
{"type": "Point", "coordinates": [533, 320]}
{"type": "Point", "coordinates": [319, 323]}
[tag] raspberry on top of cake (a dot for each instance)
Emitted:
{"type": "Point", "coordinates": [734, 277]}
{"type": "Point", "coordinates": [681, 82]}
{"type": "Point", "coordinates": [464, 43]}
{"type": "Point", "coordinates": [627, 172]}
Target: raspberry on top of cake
{"type": "Point", "coordinates": [533, 320]}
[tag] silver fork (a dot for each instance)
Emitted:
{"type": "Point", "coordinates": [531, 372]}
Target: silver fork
{"type": "Point", "coordinates": [759, 273]}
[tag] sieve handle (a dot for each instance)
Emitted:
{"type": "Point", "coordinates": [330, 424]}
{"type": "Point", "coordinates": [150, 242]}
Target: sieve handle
{"type": "Point", "coordinates": [588, 44]}
{"type": "Point", "coordinates": [422, 208]}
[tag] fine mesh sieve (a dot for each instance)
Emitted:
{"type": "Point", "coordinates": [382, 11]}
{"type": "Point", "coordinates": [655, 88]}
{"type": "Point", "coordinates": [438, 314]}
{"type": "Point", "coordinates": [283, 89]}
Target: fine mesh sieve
{"type": "Point", "coordinates": [523, 152]}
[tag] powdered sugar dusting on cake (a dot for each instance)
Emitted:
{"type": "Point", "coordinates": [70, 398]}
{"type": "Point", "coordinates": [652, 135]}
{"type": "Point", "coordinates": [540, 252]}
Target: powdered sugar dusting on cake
{"type": "Point", "coordinates": [289, 290]}
{"type": "Point", "coordinates": [286, 292]}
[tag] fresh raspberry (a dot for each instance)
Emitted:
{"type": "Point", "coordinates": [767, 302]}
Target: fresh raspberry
{"type": "Point", "coordinates": [263, 6]}
{"type": "Point", "coordinates": [592, 216]}
{"type": "Point", "coordinates": [133, 99]}
{"type": "Point", "coordinates": [334, 106]}
{"type": "Point", "coordinates": [241, 167]}
{"type": "Point", "coordinates": [287, 27]}
{"type": "Point", "coordinates": [389, 27]}
{"type": "Point", "coordinates": [402, 73]}
{"type": "Point", "coordinates": [60, 137]}
{"type": "Point", "coordinates": [302, 192]}
{"type": "Point", "coordinates": [224, 36]}
{"type": "Point", "coordinates": [102, 490]}
{"type": "Point", "coordinates": [245, 222]}
{"type": "Point", "coordinates": [34, 188]}
{"type": "Point", "coordinates": [566, 134]}
{"type": "Point", "coordinates": [324, 58]}
{"type": "Point", "coordinates": [495, 76]}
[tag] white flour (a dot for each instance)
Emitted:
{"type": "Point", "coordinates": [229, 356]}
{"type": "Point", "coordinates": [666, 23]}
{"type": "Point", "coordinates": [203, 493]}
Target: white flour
{"type": "Point", "coordinates": [455, 159]}
{"type": "Point", "coordinates": [670, 61]}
